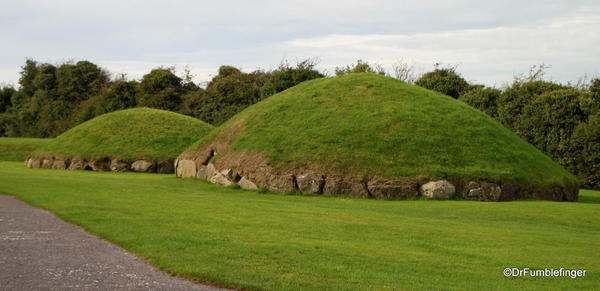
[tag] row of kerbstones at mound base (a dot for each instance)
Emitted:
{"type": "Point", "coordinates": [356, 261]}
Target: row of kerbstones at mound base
{"type": "Point", "coordinates": [103, 165]}
{"type": "Point", "coordinates": [378, 188]}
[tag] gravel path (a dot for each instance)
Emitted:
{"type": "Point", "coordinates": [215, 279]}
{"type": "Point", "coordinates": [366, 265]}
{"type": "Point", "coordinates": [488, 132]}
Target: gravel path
{"type": "Point", "coordinates": [38, 251]}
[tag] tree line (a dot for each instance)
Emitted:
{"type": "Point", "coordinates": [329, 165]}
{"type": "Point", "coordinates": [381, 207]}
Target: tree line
{"type": "Point", "coordinates": [561, 120]}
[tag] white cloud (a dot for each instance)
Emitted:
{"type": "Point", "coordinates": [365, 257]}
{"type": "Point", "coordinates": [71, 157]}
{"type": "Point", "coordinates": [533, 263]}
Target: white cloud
{"type": "Point", "coordinates": [490, 40]}
{"type": "Point", "coordinates": [486, 55]}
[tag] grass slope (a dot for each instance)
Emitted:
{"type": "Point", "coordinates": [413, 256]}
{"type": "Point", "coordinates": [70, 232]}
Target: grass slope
{"type": "Point", "coordinates": [367, 124]}
{"type": "Point", "coordinates": [19, 149]}
{"type": "Point", "coordinates": [244, 239]}
{"type": "Point", "coordinates": [131, 133]}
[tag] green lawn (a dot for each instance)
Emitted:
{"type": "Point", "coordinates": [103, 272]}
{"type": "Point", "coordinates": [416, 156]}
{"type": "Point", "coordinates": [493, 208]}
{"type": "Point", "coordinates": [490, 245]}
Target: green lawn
{"type": "Point", "coordinates": [239, 238]}
{"type": "Point", "coordinates": [19, 149]}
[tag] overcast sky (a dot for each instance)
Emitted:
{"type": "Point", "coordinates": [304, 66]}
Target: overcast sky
{"type": "Point", "coordinates": [490, 41]}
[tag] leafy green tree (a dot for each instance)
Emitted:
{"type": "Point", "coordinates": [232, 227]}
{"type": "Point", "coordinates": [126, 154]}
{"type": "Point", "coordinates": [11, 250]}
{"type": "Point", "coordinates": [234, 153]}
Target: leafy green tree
{"type": "Point", "coordinates": [584, 154]}
{"type": "Point", "coordinates": [195, 104]}
{"type": "Point", "coordinates": [28, 74]}
{"type": "Point", "coordinates": [161, 89]}
{"type": "Point", "coordinates": [516, 97]}
{"type": "Point", "coordinates": [287, 76]}
{"type": "Point", "coordinates": [45, 78]}
{"type": "Point", "coordinates": [80, 81]}
{"type": "Point", "coordinates": [444, 80]}
{"type": "Point", "coordinates": [482, 98]}
{"type": "Point", "coordinates": [121, 94]}
{"type": "Point", "coordinates": [6, 94]}
{"type": "Point", "coordinates": [595, 94]}
{"type": "Point", "coordinates": [230, 92]}
{"type": "Point", "coordinates": [550, 119]}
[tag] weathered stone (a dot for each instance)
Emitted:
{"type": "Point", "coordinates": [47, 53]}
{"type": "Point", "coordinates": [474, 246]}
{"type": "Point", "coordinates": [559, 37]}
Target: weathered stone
{"type": "Point", "coordinates": [77, 164]}
{"type": "Point", "coordinates": [47, 163]}
{"type": "Point", "coordinates": [201, 174]}
{"type": "Point", "coordinates": [247, 184]}
{"type": "Point", "coordinates": [210, 171]}
{"type": "Point", "coordinates": [345, 187]}
{"type": "Point", "coordinates": [60, 165]}
{"type": "Point", "coordinates": [143, 166]}
{"type": "Point", "coordinates": [281, 183]}
{"type": "Point", "coordinates": [165, 167]}
{"type": "Point", "coordinates": [227, 173]}
{"type": "Point", "coordinates": [220, 179]}
{"type": "Point", "coordinates": [100, 165]}
{"type": "Point", "coordinates": [117, 165]}
{"type": "Point", "coordinates": [483, 191]}
{"type": "Point", "coordinates": [310, 183]}
{"type": "Point", "coordinates": [395, 188]}
{"type": "Point", "coordinates": [441, 189]}
{"type": "Point", "coordinates": [186, 169]}
{"type": "Point", "coordinates": [36, 163]}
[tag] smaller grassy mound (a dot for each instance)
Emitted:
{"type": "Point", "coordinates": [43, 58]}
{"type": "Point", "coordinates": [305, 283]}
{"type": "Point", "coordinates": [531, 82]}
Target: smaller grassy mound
{"type": "Point", "coordinates": [132, 134]}
{"type": "Point", "coordinates": [19, 148]}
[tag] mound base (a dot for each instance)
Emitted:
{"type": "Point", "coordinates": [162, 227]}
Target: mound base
{"type": "Point", "coordinates": [103, 164]}
{"type": "Point", "coordinates": [261, 176]}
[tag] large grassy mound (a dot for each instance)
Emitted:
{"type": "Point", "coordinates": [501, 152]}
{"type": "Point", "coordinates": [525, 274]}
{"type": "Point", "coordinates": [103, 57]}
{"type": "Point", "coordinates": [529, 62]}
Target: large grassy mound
{"type": "Point", "coordinates": [19, 148]}
{"type": "Point", "coordinates": [367, 125]}
{"type": "Point", "coordinates": [128, 134]}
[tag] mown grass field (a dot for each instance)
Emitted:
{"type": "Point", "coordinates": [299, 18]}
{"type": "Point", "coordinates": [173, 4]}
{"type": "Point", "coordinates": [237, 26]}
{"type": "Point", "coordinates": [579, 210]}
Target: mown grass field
{"type": "Point", "coordinates": [245, 239]}
{"type": "Point", "coordinates": [19, 149]}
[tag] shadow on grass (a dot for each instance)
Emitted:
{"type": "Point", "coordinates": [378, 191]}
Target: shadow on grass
{"type": "Point", "coordinates": [589, 196]}
{"type": "Point", "coordinates": [587, 199]}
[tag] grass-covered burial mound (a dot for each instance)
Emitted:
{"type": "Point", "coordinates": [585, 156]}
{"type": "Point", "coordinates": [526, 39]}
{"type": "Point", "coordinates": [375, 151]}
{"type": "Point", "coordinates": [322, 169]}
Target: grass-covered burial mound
{"type": "Point", "coordinates": [140, 139]}
{"type": "Point", "coordinates": [366, 135]}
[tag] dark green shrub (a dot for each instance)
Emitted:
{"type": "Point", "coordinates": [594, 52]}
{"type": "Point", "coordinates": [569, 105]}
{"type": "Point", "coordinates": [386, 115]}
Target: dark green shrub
{"type": "Point", "coordinates": [516, 97]}
{"type": "Point", "coordinates": [445, 81]}
{"type": "Point", "coordinates": [6, 94]}
{"type": "Point", "coordinates": [80, 81]}
{"type": "Point", "coordinates": [482, 98]}
{"type": "Point", "coordinates": [160, 89]}
{"type": "Point", "coordinates": [225, 71]}
{"type": "Point", "coordinates": [360, 67]}
{"type": "Point", "coordinates": [229, 93]}
{"type": "Point", "coordinates": [549, 120]}
{"type": "Point", "coordinates": [287, 76]}
{"type": "Point", "coordinates": [584, 154]}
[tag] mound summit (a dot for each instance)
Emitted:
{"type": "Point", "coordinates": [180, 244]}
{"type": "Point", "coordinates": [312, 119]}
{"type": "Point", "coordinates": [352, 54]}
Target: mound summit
{"type": "Point", "coordinates": [366, 135]}
{"type": "Point", "coordinates": [139, 139]}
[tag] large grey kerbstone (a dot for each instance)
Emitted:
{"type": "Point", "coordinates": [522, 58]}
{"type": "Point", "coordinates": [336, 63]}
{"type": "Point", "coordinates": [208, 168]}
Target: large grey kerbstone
{"type": "Point", "coordinates": [143, 166]}
{"type": "Point", "coordinates": [186, 169]}
{"type": "Point", "coordinates": [247, 184]}
{"type": "Point", "coordinates": [440, 189]}
{"type": "Point", "coordinates": [310, 183]}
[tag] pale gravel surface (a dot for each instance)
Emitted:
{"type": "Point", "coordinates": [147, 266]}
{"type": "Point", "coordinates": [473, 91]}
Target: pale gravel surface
{"type": "Point", "coordinates": [38, 251]}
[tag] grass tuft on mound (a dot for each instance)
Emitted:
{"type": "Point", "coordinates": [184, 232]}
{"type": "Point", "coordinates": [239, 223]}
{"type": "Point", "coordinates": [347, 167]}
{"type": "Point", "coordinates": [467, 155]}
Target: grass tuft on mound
{"type": "Point", "coordinates": [19, 148]}
{"type": "Point", "coordinates": [127, 134]}
{"type": "Point", "coordinates": [370, 125]}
